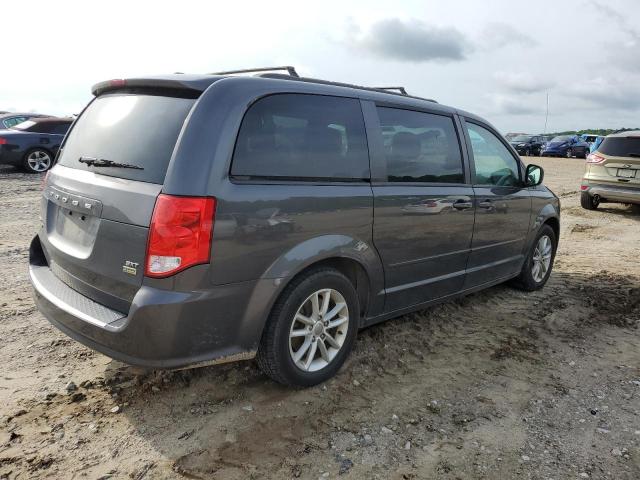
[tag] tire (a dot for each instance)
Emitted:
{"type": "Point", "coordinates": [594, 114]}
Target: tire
{"type": "Point", "coordinates": [588, 202]}
{"type": "Point", "coordinates": [526, 280]}
{"type": "Point", "coordinates": [586, 153]}
{"type": "Point", "coordinates": [279, 345]}
{"type": "Point", "coordinates": [37, 160]}
{"type": "Point", "coordinates": [527, 153]}
{"type": "Point", "coordinates": [569, 153]}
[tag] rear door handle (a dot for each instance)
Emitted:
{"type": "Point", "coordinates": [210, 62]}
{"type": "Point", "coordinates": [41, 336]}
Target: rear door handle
{"type": "Point", "coordinates": [462, 205]}
{"type": "Point", "coordinates": [486, 204]}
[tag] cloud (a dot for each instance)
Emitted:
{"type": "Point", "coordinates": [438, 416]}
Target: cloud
{"type": "Point", "coordinates": [514, 105]}
{"type": "Point", "coordinates": [410, 41]}
{"type": "Point", "coordinates": [606, 93]}
{"type": "Point", "coordinates": [522, 82]}
{"type": "Point", "coordinates": [623, 55]}
{"type": "Point", "coordinates": [622, 21]}
{"type": "Point", "coordinates": [497, 35]}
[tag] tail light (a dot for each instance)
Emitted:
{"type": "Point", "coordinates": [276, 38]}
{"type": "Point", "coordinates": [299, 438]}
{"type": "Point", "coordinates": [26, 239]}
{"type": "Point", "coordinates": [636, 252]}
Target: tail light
{"type": "Point", "coordinates": [180, 234]}
{"type": "Point", "coordinates": [584, 187]}
{"type": "Point", "coordinates": [3, 141]}
{"type": "Point", "coordinates": [595, 158]}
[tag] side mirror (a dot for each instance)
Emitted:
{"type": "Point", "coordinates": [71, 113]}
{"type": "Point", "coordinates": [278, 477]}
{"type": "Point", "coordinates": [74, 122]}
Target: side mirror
{"type": "Point", "coordinates": [533, 175]}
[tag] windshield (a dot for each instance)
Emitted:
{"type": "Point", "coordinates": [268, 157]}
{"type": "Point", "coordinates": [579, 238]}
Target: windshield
{"type": "Point", "coordinates": [620, 146]}
{"type": "Point", "coordinates": [24, 125]}
{"type": "Point", "coordinates": [139, 130]}
{"type": "Point", "coordinates": [522, 138]}
{"type": "Point", "coordinates": [562, 138]}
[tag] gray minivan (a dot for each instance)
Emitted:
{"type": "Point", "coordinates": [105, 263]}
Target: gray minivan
{"type": "Point", "coordinates": [200, 219]}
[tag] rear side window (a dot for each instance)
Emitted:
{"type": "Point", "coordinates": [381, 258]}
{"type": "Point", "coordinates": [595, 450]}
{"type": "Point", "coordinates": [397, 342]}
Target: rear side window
{"type": "Point", "coordinates": [620, 146]}
{"type": "Point", "coordinates": [11, 122]}
{"type": "Point", "coordinates": [420, 147]}
{"type": "Point", "coordinates": [139, 130]}
{"type": "Point", "coordinates": [299, 136]}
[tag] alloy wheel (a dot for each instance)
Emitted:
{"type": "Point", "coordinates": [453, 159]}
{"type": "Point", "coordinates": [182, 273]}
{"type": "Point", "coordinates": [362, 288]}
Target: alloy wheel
{"type": "Point", "coordinates": [39, 161]}
{"type": "Point", "coordinates": [541, 258]}
{"type": "Point", "coordinates": [319, 330]}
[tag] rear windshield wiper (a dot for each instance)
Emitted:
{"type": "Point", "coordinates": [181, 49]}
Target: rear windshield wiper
{"type": "Point", "coordinates": [636, 155]}
{"type": "Point", "coordinates": [103, 162]}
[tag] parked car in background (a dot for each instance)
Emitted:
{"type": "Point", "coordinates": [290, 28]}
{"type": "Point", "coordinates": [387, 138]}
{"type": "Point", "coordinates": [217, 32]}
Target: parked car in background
{"type": "Point", "coordinates": [33, 143]}
{"type": "Point", "coordinates": [527, 145]}
{"type": "Point", "coordinates": [596, 143]}
{"type": "Point", "coordinates": [130, 261]}
{"type": "Point", "coordinates": [612, 173]}
{"type": "Point", "coordinates": [8, 120]}
{"type": "Point", "coordinates": [566, 146]}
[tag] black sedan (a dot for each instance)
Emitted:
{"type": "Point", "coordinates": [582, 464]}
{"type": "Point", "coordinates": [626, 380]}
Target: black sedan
{"type": "Point", "coordinates": [33, 144]}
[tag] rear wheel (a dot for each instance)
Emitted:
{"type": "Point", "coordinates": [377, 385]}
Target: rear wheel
{"type": "Point", "coordinates": [569, 153]}
{"type": "Point", "coordinates": [37, 161]}
{"type": "Point", "coordinates": [588, 202]}
{"type": "Point", "coordinates": [311, 329]}
{"type": "Point", "coordinates": [539, 263]}
{"type": "Point", "coordinates": [527, 153]}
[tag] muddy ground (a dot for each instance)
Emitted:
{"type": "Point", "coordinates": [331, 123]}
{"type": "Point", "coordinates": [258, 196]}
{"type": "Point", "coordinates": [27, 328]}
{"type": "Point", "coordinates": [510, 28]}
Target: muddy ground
{"type": "Point", "coordinates": [500, 384]}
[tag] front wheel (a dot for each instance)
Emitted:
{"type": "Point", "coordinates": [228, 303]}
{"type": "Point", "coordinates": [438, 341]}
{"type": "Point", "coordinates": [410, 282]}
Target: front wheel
{"type": "Point", "coordinates": [569, 153]}
{"type": "Point", "coordinates": [539, 262]}
{"type": "Point", "coordinates": [311, 329]}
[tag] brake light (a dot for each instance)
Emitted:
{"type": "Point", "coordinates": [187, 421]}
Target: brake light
{"type": "Point", "coordinates": [117, 83]}
{"type": "Point", "coordinates": [595, 158]}
{"type": "Point", "coordinates": [180, 234]}
{"type": "Point", "coordinates": [584, 187]}
{"type": "Point", "coordinates": [3, 141]}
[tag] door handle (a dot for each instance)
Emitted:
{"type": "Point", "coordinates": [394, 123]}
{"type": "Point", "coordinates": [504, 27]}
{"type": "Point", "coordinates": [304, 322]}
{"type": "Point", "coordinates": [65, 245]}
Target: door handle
{"type": "Point", "coordinates": [462, 205]}
{"type": "Point", "coordinates": [486, 204]}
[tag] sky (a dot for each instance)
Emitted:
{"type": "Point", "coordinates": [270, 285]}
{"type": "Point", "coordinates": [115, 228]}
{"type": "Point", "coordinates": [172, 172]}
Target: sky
{"type": "Point", "coordinates": [495, 58]}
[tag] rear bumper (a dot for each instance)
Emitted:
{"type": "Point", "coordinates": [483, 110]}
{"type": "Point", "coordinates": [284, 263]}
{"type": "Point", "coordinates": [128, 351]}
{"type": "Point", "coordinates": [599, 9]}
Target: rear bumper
{"type": "Point", "coordinates": [163, 329]}
{"type": "Point", "coordinates": [614, 193]}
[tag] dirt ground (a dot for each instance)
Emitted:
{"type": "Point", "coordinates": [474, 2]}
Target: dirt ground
{"type": "Point", "coordinates": [500, 384]}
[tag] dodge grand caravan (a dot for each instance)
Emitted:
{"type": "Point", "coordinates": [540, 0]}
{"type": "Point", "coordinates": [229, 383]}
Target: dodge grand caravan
{"type": "Point", "coordinates": [193, 220]}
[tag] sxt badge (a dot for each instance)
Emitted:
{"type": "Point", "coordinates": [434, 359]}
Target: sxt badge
{"type": "Point", "coordinates": [130, 267]}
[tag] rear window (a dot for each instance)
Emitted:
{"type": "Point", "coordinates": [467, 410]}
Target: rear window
{"type": "Point", "coordinates": [138, 130]}
{"type": "Point", "coordinates": [299, 136]}
{"type": "Point", "coordinates": [620, 146]}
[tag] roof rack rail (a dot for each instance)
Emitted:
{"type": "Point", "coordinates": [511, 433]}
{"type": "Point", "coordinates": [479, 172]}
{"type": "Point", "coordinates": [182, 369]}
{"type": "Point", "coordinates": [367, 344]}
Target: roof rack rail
{"type": "Point", "coordinates": [387, 90]}
{"type": "Point", "coordinates": [399, 89]}
{"type": "Point", "coordinates": [290, 70]}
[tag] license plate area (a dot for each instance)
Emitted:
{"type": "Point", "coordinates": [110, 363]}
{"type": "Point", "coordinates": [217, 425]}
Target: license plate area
{"type": "Point", "coordinates": [626, 173]}
{"type": "Point", "coordinates": [72, 222]}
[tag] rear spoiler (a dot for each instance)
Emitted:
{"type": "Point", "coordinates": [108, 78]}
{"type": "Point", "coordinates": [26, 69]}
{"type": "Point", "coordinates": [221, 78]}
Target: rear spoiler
{"type": "Point", "coordinates": [191, 88]}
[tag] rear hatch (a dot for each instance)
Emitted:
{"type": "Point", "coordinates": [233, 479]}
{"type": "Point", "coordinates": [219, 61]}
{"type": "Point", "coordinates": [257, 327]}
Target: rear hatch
{"type": "Point", "coordinates": [96, 214]}
{"type": "Point", "coordinates": [617, 160]}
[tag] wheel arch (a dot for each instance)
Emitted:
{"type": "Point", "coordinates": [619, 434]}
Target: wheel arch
{"type": "Point", "coordinates": [356, 259]}
{"type": "Point", "coordinates": [554, 223]}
